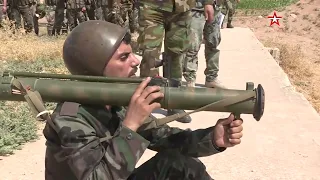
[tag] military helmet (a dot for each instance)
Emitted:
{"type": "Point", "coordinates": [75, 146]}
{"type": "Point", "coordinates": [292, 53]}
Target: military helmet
{"type": "Point", "coordinates": [90, 45]}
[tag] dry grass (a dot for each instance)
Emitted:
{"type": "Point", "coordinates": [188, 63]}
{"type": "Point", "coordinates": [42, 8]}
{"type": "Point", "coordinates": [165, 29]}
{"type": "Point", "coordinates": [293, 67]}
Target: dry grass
{"type": "Point", "coordinates": [19, 46]}
{"type": "Point", "coordinates": [303, 73]}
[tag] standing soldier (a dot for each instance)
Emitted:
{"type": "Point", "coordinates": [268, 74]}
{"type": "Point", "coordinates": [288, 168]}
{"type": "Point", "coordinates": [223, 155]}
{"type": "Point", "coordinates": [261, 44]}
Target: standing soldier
{"type": "Point", "coordinates": [76, 12]}
{"type": "Point", "coordinates": [60, 16]}
{"type": "Point", "coordinates": [18, 8]}
{"type": "Point", "coordinates": [173, 19]}
{"type": "Point", "coordinates": [2, 12]}
{"type": "Point", "coordinates": [90, 9]}
{"type": "Point", "coordinates": [230, 9]}
{"type": "Point", "coordinates": [50, 15]}
{"type": "Point", "coordinates": [38, 12]}
{"type": "Point", "coordinates": [212, 37]}
{"type": "Point", "coordinates": [102, 10]}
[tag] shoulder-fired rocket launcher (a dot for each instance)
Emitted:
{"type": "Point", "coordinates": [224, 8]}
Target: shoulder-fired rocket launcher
{"type": "Point", "coordinates": [118, 91]}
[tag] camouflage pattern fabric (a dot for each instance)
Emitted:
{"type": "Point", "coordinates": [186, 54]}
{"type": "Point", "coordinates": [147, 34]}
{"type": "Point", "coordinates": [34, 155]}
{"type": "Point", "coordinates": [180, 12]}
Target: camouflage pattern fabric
{"type": "Point", "coordinates": [75, 15]}
{"type": "Point", "coordinates": [176, 6]}
{"type": "Point", "coordinates": [59, 16]}
{"type": "Point", "coordinates": [228, 8]}
{"type": "Point", "coordinates": [21, 8]}
{"type": "Point", "coordinates": [2, 16]}
{"type": "Point", "coordinates": [92, 144]}
{"type": "Point", "coordinates": [156, 23]}
{"type": "Point", "coordinates": [211, 34]}
{"type": "Point", "coordinates": [90, 9]}
{"type": "Point", "coordinates": [102, 13]}
{"type": "Point", "coordinates": [75, 12]}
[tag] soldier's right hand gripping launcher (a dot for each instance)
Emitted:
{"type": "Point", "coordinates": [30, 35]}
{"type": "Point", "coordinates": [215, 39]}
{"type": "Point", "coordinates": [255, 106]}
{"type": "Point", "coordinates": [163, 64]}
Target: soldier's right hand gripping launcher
{"type": "Point", "coordinates": [38, 87]}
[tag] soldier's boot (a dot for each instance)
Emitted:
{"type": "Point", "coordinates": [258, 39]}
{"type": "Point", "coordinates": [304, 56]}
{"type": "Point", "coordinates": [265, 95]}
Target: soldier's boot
{"type": "Point", "coordinates": [185, 119]}
{"type": "Point", "coordinates": [216, 83]}
{"type": "Point", "coordinates": [229, 25]}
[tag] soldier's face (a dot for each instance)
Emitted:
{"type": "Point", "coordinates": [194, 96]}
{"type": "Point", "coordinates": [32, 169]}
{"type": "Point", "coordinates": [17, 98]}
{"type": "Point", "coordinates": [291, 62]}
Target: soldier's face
{"type": "Point", "coordinates": [123, 63]}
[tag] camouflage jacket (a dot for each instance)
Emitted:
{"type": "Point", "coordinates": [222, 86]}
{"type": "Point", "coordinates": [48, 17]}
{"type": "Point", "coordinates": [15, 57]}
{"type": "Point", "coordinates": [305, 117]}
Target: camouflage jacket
{"type": "Point", "coordinates": [200, 6]}
{"type": "Point", "coordinates": [75, 4]}
{"type": "Point", "coordinates": [174, 5]}
{"type": "Point", "coordinates": [92, 143]}
{"type": "Point", "coordinates": [21, 2]}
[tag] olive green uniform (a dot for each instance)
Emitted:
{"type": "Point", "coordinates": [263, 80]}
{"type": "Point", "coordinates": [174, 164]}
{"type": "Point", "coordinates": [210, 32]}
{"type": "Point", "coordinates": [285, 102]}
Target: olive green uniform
{"type": "Point", "coordinates": [102, 11]}
{"type": "Point", "coordinates": [75, 13]}
{"type": "Point", "coordinates": [229, 8]}
{"type": "Point", "coordinates": [1, 13]}
{"type": "Point", "coordinates": [212, 36]}
{"type": "Point", "coordinates": [18, 8]}
{"type": "Point", "coordinates": [92, 143]}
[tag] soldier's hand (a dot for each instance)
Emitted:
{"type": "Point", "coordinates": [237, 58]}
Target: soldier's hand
{"type": "Point", "coordinates": [228, 132]}
{"type": "Point", "coordinates": [208, 11]}
{"type": "Point", "coordinates": [142, 104]}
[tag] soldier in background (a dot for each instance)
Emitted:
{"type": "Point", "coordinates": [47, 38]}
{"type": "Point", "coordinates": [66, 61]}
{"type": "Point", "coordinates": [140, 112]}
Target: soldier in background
{"type": "Point", "coordinates": [212, 38]}
{"type": "Point", "coordinates": [90, 9]}
{"type": "Point", "coordinates": [1, 13]}
{"type": "Point", "coordinates": [76, 10]}
{"type": "Point", "coordinates": [169, 20]}
{"type": "Point", "coordinates": [102, 10]}
{"type": "Point", "coordinates": [38, 12]}
{"type": "Point", "coordinates": [229, 8]}
{"type": "Point", "coordinates": [18, 8]}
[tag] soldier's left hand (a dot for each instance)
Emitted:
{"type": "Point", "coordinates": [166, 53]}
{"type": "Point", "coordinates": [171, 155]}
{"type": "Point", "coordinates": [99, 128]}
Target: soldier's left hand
{"type": "Point", "coordinates": [228, 132]}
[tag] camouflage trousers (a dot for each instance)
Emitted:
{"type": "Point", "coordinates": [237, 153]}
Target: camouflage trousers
{"type": "Point", "coordinates": [115, 15]}
{"type": "Point", "coordinates": [132, 12]}
{"type": "Point", "coordinates": [102, 13]}
{"type": "Point", "coordinates": [1, 16]}
{"type": "Point", "coordinates": [229, 8]}
{"type": "Point", "coordinates": [59, 16]}
{"type": "Point", "coordinates": [75, 15]}
{"type": "Point", "coordinates": [171, 165]}
{"type": "Point", "coordinates": [211, 34]}
{"type": "Point", "coordinates": [174, 28]}
{"type": "Point", "coordinates": [15, 13]}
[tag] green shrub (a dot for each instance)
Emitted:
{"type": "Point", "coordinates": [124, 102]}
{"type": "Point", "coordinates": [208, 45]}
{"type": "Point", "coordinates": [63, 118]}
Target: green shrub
{"type": "Point", "coordinates": [17, 123]}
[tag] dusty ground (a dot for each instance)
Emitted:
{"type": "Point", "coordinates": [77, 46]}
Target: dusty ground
{"type": "Point", "coordinates": [297, 37]}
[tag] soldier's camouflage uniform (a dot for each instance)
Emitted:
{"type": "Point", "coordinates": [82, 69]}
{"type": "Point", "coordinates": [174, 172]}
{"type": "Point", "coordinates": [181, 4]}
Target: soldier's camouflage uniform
{"type": "Point", "coordinates": [168, 19]}
{"type": "Point", "coordinates": [90, 9]}
{"type": "Point", "coordinates": [130, 10]}
{"type": "Point", "coordinates": [18, 8]}
{"type": "Point", "coordinates": [102, 12]}
{"type": "Point", "coordinates": [92, 144]}
{"type": "Point", "coordinates": [1, 13]}
{"type": "Point", "coordinates": [211, 34]}
{"type": "Point", "coordinates": [75, 12]}
{"type": "Point", "coordinates": [229, 8]}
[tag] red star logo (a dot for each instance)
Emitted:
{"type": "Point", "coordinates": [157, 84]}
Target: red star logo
{"type": "Point", "coordinates": [274, 19]}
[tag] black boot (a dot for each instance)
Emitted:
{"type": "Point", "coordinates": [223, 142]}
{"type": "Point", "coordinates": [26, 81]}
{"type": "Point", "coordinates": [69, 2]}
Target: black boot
{"type": "Point", "coordinates": [185, 119]}
{"type": "Point", "coordinates": [229, 25]}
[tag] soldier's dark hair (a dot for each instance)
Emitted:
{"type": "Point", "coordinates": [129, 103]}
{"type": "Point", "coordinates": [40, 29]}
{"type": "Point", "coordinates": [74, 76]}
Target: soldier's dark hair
{"type": "Point", "coordinates": [127, 38]}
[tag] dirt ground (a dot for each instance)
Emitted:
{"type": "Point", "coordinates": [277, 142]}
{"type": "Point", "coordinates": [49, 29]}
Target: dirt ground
{"type": "Point", "coordinates": [297, 37]}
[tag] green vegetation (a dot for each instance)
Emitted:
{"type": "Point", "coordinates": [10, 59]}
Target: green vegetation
{"type": "Point", "coordinates": [29, 53]}
{"type": "Point", "coordinates": [264, 4]}
{"type": "Point", "coordinates": [17, 124]}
